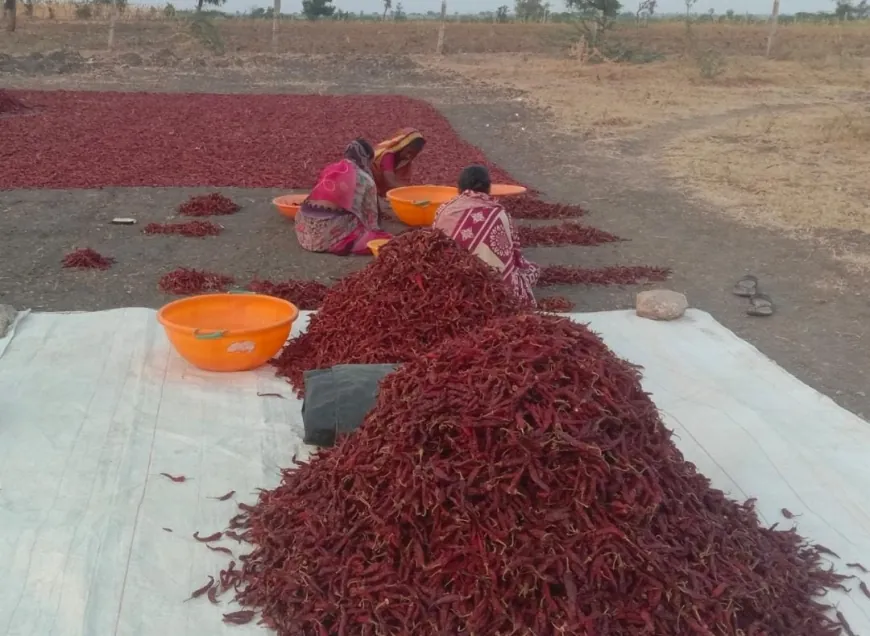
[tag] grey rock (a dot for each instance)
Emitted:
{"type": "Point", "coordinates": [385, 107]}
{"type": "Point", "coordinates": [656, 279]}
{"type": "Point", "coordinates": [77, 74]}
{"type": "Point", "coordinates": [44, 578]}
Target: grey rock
{"type": "Point", "coordinates": [7, 317]}
{"type": "Point", "coordinates": [661, 304]}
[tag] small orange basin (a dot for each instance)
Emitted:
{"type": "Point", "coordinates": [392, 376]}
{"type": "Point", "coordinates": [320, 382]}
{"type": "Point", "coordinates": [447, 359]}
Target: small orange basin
{"type": "Point", "coordinates": [417, 205]}
{"type": "Point", "coordinates": [228, 332]}
{"type": "Point", "coordinates": [288, 205]}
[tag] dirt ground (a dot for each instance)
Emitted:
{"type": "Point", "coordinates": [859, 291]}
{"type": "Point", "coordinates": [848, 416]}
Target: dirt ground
{"type": "Point", "coordinates": [819, 333]}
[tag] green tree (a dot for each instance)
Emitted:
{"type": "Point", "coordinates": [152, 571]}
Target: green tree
{"type": "Point", "coordinates": [316, 9]}
{"type": "Point", "coordinates": [528, 10]}
{"type": "Point", "coordinates": [501, 14]}
{"type": "Point", "coordinates": [399, 13]}
{"type": "Point", "coordinates": [596, 17]}
{"type": "Point", "coordinates": [388, 4]}
{"type": "Point", "coordinates": [215, 3]}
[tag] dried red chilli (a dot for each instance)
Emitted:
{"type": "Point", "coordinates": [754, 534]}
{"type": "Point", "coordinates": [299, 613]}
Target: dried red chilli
{"type": "Point", "coordinates": [87, 258]}
{"type": "Point", "coordinates": [864, 588]}
{"type": "Point", "coordinates": [520, 480]}
{"type": "Point", "coordinates": [305, 294]}
{"type": "Point", "coordinates": [240, 617]}
{"type": "Point", "coordinates": [788, 514]}
{"type": "Point", "coordinates": [212, 595]}
{"type": "Point", "coordinates": [11, 105]}
{"type": "Point", "coordinates": [563, 234]}
{"type": "Point", "coordinates": [225, 497]}
{"type": "Point", "coordinates": [88, 135]}
{"type": "Point", "coordinates": [220, 548]}
{"type": "Point", "coordinates": [277, 395]}
{"type": "Point", "coordinates": [176, 478]}
{"type": "Point", "coordinates": [211, 537]}
{"type": "Point", "coordinates": [194, 229]}
{"type": "Point", "coordinates": [213, 204]}
{"type": "Point", "coordinates": [823, 550]}
{"type": "Point", "coordinates": [202, 590]}
{"type": "Point", "coordinates": [555, 304]}
{"type": "Point", "coordinates": [528, 206]}
{"type": "Point", "coordinates": [857, 566]}
{"type": "Point", "coordinates": [167, 529]}
{"type": "Point", "coordinates": [845, 624]}
{"type": "Point", "coordinates": [616, 275]}
{"type": "Point", "coordinates": [183, 281]}
{"type": "Point", "coordinates": [421, 289]}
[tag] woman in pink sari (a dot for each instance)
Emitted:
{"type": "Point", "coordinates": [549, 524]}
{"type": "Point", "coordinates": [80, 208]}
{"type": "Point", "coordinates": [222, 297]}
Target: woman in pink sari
{"type": "Point", "coordinates": [482, 226]}
{"type": "Point", "coordinates": [340, 216]}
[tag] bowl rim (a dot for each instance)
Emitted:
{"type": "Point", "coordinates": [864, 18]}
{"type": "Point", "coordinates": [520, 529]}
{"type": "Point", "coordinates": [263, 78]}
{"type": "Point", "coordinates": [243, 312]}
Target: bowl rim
{"type": "Point", "coordinates": [391, 193]}
{"type": "Point", "coordinates": [278, 203]}
{"type": "Point", "coordinates": [231, 333]}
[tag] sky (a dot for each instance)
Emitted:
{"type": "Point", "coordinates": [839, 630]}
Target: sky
{"type": "Point", "coordinates": [468, 6]}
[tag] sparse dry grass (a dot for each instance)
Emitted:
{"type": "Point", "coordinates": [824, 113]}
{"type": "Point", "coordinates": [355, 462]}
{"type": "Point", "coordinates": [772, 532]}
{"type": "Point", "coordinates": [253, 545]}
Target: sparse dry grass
{"type": "Point", "coordinates": [609, 100]}
{"type": "Point", "coordinates": [798, 171]}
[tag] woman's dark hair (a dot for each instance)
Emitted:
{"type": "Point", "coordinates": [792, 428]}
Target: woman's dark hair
{"type": "Point", "coordinates": [475, 178]}
{"type": "Point", "coordinates": [367, 147]}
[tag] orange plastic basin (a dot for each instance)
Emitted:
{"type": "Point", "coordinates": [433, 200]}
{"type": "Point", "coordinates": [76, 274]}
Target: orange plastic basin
{"type": "Point", "coordinates": [228, 332]}
{"type": "Point", "coordinates": [288, 205]}
{"type": "Point", "coordinates": [505, 190]}
{"type": "Point", "coordinates": [376, 245]}
{"type": "Point", "coordinates": [416, 205]}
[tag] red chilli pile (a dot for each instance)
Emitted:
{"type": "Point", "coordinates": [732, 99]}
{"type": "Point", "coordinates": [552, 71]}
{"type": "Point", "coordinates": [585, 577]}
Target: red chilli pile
{"type": "Point", "coordinates": [214, 204]}
{"type": "Point", "coordinates": [422, 289]}
{"type": "Point", "coordinates": [519, 481]}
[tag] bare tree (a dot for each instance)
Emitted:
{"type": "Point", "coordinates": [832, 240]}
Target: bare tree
{"type": "Point", "coordinates": [388, 4]}
{"type": "Point", "coordinates": [645, 10]}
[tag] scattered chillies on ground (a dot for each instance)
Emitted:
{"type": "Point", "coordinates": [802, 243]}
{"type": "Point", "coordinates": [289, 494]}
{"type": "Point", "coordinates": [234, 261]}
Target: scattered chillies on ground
{"type": "Point", "coordinates": [87, 258]}
{"type": "Point", "coordinates": [563, 234]}
{"type": "Point", "coordinates": [184, 281]}
{"type": "Point", "coordinates": [615, 275]}
{"type": "Point", "coordinates": [214, 204]}
{"type": "Point", "coordinates": [194, 229]}
{"type": "Point", "coordinates": [517, 479]}
{"type": "Point", "coordinates": [305, 294]}
{"type": "Point", "coordinates": [554, 304]}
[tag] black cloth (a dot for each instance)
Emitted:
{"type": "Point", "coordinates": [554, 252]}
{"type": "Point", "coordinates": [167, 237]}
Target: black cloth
{"type": "Point", "coordinates": [338, 399]}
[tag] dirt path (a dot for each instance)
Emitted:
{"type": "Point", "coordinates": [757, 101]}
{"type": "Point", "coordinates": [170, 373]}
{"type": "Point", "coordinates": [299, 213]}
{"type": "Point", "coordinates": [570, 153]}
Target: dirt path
{"type": "Point", "coordinates": [819, 333]}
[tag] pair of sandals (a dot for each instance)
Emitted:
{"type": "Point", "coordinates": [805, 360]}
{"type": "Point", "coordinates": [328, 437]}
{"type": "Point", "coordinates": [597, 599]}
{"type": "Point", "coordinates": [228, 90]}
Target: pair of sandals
{"type": "Point", "coordinates": [759, 304]}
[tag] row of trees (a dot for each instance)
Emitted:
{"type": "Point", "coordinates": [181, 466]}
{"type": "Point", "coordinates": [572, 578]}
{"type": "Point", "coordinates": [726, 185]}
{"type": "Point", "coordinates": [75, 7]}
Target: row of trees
{"type": "Point", "coordinates": [597, 16]}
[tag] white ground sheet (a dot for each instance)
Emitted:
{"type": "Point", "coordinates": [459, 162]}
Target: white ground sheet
{"type": "Point", "coordinates": [94, 406]}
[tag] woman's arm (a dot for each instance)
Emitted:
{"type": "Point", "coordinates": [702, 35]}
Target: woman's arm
{"type": "Point", "coordinates": [388, 168]}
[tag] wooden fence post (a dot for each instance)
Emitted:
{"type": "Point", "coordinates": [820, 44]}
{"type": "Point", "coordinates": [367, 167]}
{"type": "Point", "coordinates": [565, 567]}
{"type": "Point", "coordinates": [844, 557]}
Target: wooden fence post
{"type": "Point", "coordinates": [774, 19]}
{"type": "Point", "coordinates": [439, 48]}
{"type": "Point", "coordinates": [275, 18]}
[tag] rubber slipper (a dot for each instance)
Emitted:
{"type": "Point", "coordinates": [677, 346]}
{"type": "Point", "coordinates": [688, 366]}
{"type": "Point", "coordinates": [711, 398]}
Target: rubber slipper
{"type": "Point", "coordinates": [760, 305]}
{"type": "Point", "coordinates": [746, 287]}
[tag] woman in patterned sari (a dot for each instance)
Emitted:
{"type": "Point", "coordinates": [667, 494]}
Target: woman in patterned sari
{"type": "Point", "coordinates": [482, 226]}
{"type": "Point", "coordinates": [340, 216]}
{"type": "Point", "coordinates": [391, 166]}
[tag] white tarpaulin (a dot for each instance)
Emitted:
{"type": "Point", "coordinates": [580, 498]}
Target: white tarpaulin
{"type": "Point", "coordinates": [94, 406]}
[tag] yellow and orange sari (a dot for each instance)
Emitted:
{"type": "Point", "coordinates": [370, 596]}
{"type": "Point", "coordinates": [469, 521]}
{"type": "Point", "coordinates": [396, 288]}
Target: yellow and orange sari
{"type": "Point", "coordinates": [387, 158]}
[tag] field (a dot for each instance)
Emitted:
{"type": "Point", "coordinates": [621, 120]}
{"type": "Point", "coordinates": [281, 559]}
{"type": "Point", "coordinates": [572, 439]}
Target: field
{"type": "Point", "coordinates": [709, 158]}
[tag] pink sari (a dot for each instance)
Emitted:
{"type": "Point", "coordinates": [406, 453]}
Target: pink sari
{"type": "Point", "coordinates": [352, 223]}
{"type": "Point", "coordinates": [483, 227]}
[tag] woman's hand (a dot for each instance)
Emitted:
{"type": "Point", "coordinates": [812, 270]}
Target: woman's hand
{"type": "Point", "coordinates": [392, 180]}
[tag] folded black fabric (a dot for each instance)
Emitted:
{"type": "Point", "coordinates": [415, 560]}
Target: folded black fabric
{"type": "Point", "coordinates": [338, 399]}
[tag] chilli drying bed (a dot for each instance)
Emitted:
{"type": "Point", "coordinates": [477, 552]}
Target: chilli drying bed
{"type": "Point", "coordinates": [96, 541]}
{"type": "Point", "coordinates": [99, 139]}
